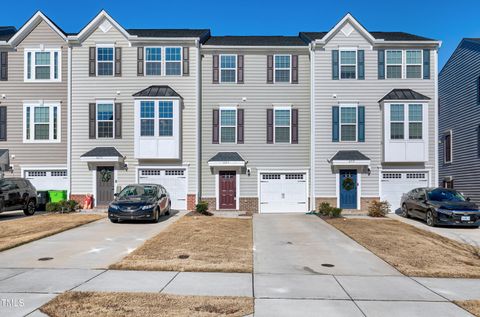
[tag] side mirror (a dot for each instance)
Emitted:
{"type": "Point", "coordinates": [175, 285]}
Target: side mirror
{"type": "Point", "coordinates": [163, 195]}
{"type": "Point", "coordinates": [115, 195]}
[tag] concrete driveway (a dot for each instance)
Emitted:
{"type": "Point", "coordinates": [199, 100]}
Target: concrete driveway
{"type": "Point", "coordinates": [92, 246]}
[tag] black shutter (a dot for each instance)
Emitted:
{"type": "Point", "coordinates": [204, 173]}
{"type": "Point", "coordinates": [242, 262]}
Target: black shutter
{"type": "Point", "coordinates": [240, 125]}
{"type": "Point", "coordinates": [118, 120]}
{"type": "Point", "coordinates": [4, 66]}
{"type": "Point", "coordinates": [335, 65]}
{"type": "Point", "coordinates": [295, 126]}
{"type": "Point", "coordinates": [215, 132]}
{"type": "Point", "coordinates": [361, 64]}
{"type": "Point", "coordinates": [270, 69]}
{"type": "Point", "coordinates": [294, 69]}
{"type": "Point", "coordinates": [240, 59]}
{"type": "Point", "coordinates": [3, 123]}
{"type": "Point", "coordinates": [92, 62]}
{"type": "Point", "coordinates": [118, 61]}
{"type": "Point", "coordinates": [426, 64]}
{"type": "Point", "coordinates": [381, 64]}
{"type": "Point", "coordinates": [140, 59]}
{"type": "Point", "coordinates": [269, 126]}
{"type": "Point", "coordinates": [361, 124]}
{"type": "Point", "coordinates": [215, 69]}
{"type": "Point", "coordinates": [186, 61]}
{"type": "Point", "coordinates": [92, 121]}
{"type": "Point", "coordinates": [335, 124]}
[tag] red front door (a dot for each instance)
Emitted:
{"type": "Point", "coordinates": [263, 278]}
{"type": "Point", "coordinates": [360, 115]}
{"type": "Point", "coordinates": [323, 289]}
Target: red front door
{"type": "Point", "coordinates": [228, 191]}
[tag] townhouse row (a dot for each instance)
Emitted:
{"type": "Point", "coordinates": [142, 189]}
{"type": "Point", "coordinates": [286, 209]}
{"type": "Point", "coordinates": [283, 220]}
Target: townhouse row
{"type": "Point", "coordinates": [252, 123]}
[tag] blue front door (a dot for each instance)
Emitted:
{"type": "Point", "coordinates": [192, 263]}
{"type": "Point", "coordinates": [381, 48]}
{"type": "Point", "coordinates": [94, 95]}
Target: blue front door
{"type": "Point", "coordinates": [348, 189]}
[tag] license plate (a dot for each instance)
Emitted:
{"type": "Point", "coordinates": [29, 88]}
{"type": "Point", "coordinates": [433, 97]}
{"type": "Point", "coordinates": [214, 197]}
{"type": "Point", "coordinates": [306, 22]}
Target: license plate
{"type": "Point", "coordinates": [465, 218]}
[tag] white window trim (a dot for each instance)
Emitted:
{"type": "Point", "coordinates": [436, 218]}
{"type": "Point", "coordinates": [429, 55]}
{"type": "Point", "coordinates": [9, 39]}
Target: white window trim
{"type": "Point", "coordinates": [413, 121]}
{"type": "Point", "coordinates": [97, 61]}
{"type": "Point", "coordinates": [51, 106]}
{"type": "Point", "coordinates": [103, 102]}
{"type": "Point", "coordinates": [164, 59]}
{"type": "Point", "coordinates": [449, 132]}
{"type": "Point", "coordinates": [340, 63]}
{"type": "Point", "coordinates": [52, 65]}
{"type": "Point", "coordinates": [406, 122]}
{"type": "Point", "coordinates": [156, 119]}
{"type": "Point", "coordinates": [221, 68]}
{"type": "Point", "coordinates": [340, 122]}
{"type": "Point", "coordinates": [403, 64]}
{"type": "Point", "coordinates": [275, 68]}
{"type": "Point", "coordinates": [228, 126]}
{"type": "Point", "coordinates": [156, 62]}
{"type": "Point", "coordinates": [289, 108]}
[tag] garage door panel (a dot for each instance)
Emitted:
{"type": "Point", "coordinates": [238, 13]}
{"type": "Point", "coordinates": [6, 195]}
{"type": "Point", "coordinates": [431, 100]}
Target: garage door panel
{"type": "Point", "coordinates": [48, 179]}
{"type": "Point", "coordinates": [395, 184]}
{"type": "Point", "coordinates": [283, 192]}
{"type": "Point", "coordinates": [174, 181]}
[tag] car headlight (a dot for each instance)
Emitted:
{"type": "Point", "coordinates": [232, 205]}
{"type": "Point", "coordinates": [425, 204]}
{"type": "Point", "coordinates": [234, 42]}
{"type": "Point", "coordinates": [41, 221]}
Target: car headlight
{"type": "Point", "coordinates": [115, 207]}
{"type": "Point", "coordinates": [444, 211]}
{"type": "Point", "coordinates": [146, 207]}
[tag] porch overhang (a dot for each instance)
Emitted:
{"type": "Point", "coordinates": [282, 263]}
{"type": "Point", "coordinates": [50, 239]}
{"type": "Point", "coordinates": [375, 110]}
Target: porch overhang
{"type": "Point", "coordinates": [227, 159]}
{"type": "Point", "coordinates": [349, 158]}
{"type": "Point", "coordinates": [103, 155]}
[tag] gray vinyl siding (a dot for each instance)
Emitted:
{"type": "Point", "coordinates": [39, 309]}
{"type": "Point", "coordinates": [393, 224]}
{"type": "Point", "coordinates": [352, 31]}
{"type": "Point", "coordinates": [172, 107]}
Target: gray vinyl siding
{"type": "Point", "coordinates": [260, 97]}
{"type": "Point", "coordinates": [17, 91]}
{"type": "Point", "coordinates": [89, 89]}
{"type": "Point", "coordinates": [366, 93]}
{"type": "Point", "coordinates": [460, 112]}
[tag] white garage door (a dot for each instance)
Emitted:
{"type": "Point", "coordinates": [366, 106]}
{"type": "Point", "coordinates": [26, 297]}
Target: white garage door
{"type": "Point", "coordinates": [174, 181]}
{"type": "Point", "coordinates": [283, 192]}
{"type": "Point", "coordinates": [47, 179]}
{"type": "Point", "coordinates": [395, 184]}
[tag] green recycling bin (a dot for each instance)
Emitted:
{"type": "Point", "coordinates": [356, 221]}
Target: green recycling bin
{"type": "Point", "coordinates": [57, 195]}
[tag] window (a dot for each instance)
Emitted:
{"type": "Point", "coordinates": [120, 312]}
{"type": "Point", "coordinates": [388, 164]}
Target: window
{"type": "Point", "coordinates": [153, 60]}
{"type": "Point", "coordinates": [414, 64]}
{"type": "Point", "coordinates": [105, 119]}
{"type": "Point", "coordinates": [447, 141]}
{"type": "Point", "coordinates": [282, 68]}
{"type": "Point", "coordinates": [147, 118]}
{"type": "Point", "coordinates": [41, 123]}
{"type": "Point", "coordinates": [165, 115]}
{"type": "Point", "coordinates": [397, 122]}
{"type": "Point", "coordinates": [228, 68]}
{"type": "Point", "coordinates": [105, 61]}
{"type": "Point", "coordinates": [282, 125]}
{"type": "Point", "coordinates": [173, 61]}
{"type": "Point", "coordinates": [348, 64]}
{"type": "Point", "coordinates": [228, 125]}
{"type": "Point", "coordinates": [394, 64]}
{"type": "Point", "coordinates": [42, 65]}
{"type": "Point", "coordinates": [348, 123]}
{"type": "Point", "coordinates": [415, 119]}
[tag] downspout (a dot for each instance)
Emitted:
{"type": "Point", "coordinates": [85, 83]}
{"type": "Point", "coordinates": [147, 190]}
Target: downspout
{"type": "Point", "coordinates": [199, 123]}
{"type": "Point", "coordinates": [69, 121]}
{"type": "Point", "coordinates": [436, 183]}
{"type": "Point", "coordinates": [312, 126]}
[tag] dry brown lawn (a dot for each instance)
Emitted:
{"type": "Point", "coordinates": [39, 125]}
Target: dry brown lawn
{"type": "Point", "coordinates": [412, 251]}
{"type": "Point", "coordinates": [197, 244]}
{"type": "Point", "coordinates": [83, 304]}
{"type": "Point", "coordinates": [473, 306]}
{"type": "Point", "coordinates": [20, 231]}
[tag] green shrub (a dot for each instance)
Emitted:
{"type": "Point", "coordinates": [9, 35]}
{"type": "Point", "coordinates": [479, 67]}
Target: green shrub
{"type": "Point", "coordinates": [52, 207]}
{"type": "Point", "coordinates": [378, 208]}
{"type": "Point", "coordinates": [202, 207]}
{"type": "Point", "coordinates": [62, 206]}
{"type": "Point", "coordinates": [326, 210]}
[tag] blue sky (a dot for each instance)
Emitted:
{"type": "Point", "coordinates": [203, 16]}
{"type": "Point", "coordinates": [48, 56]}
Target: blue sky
{"type": "Point", "coordinates": [448, 21]}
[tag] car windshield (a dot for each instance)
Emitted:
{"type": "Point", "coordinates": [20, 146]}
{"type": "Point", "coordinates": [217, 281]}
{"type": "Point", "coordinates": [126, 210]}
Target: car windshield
{"type": "Point", "coordinates": [137, 192]}
{"type": "Point", "coordinates": [440, 194]}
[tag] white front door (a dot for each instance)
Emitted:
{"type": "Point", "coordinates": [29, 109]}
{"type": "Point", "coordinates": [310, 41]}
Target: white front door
{"type": "Point", "coordinates": [47, 179]}
{"type": "Point", "coordinates": [396, 183]}
{"type": "Point", "coordinates": [283, 192]}
{"type": "Point", "coordinates": [174, 181]}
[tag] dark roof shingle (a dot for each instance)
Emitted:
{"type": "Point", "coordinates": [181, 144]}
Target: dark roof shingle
{"type": "Point", "coordinates": [6, 32]}
{"type": "Point", "coordinates": [404, 94]}
{"type": "Point", "coordinates": [157, 91]}
{"type": "Point", "coordinates": [103, 151]}
{"type": "Point", "coordinates": [349, 156]}
{"type": "Point", "coordinates": [387, 36]}
{"type": "Point", "coordinates": [256, 41]}
{"type": "Point", "coordinates": [200, 33]}
{"type": "Point", "coordinates": [226, 157]}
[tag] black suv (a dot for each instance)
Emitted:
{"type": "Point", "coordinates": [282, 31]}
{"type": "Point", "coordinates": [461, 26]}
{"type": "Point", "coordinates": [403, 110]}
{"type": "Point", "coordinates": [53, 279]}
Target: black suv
{"type": "Point", "coordinates": [17, 194]}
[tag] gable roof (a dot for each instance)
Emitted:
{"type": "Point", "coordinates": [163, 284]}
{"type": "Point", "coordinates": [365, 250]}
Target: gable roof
{"type": "Point", "coordinates": [255, 41]}
{"type": "Point", "coordinates": [404, 94]}
{"type": "Point", "coordinates": [227, 157]}
{"type": "Point", "coordinates": [31, 24]}
{"type": "Point", "coordinates": [157, 91]}
{"type": "Point", "coordinates": [6, 32]}
{"type": "Point", "coordinates": [108, 151]}
{"type": "Point", "coordinates": [349, 156]}
{"type": "Point", "coordinates": [95, 22]}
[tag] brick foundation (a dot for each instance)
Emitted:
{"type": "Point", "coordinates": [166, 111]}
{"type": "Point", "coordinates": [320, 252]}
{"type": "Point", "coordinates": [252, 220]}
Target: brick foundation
{"type": "Point", "coordinates": [249, 204]}
{"type": "Point", "coordinates": [331, 200]}
{"type": "Point", "coordinates": [364, 204]}
{"type": "Point", "coordinates": [79, 198]}
{"type": "Point", "coordinates": [366, 201]}
{"type": "Point", "coordinates": [211, 202]}
{"type": "Point", "coordinates": [191, 201]}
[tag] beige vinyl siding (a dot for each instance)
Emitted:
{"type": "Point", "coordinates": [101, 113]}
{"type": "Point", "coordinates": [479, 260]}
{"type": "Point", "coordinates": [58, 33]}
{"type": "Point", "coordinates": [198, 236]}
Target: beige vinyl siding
{"type": "Point", "coordinates": [89, 89]}
{"type": "Point", "coordinates": [260, 97]}
{"type": "Point", "coordinates": [367, 93]}
{"type": "Point", "coordinates": [17, 91]}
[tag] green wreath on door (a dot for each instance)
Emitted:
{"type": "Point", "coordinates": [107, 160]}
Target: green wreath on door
{"type": "Point", "coordinates": [106, 175]}
{"type": "Point", "coordinates": [348, 184]}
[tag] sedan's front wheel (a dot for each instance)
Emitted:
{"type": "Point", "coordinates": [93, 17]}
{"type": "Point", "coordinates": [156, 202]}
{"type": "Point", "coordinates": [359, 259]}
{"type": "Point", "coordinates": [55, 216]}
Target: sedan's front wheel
{"type": "Point", "coordinates": [430, 219]}
{"type": "Point", "coordinates": [29, 208]}
{"type": "Point", "coordinates": [156, 216]}
{"type": "Point", "coordinates": [405, 211]}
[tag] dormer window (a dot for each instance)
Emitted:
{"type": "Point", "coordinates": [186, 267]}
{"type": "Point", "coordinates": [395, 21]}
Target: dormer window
{"type": "Point", "coordinates": [42, 65]}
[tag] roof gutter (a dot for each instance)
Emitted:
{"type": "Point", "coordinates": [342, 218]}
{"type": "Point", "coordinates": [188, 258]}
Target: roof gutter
{"type": "Point", "coordinates": [305, 47]}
